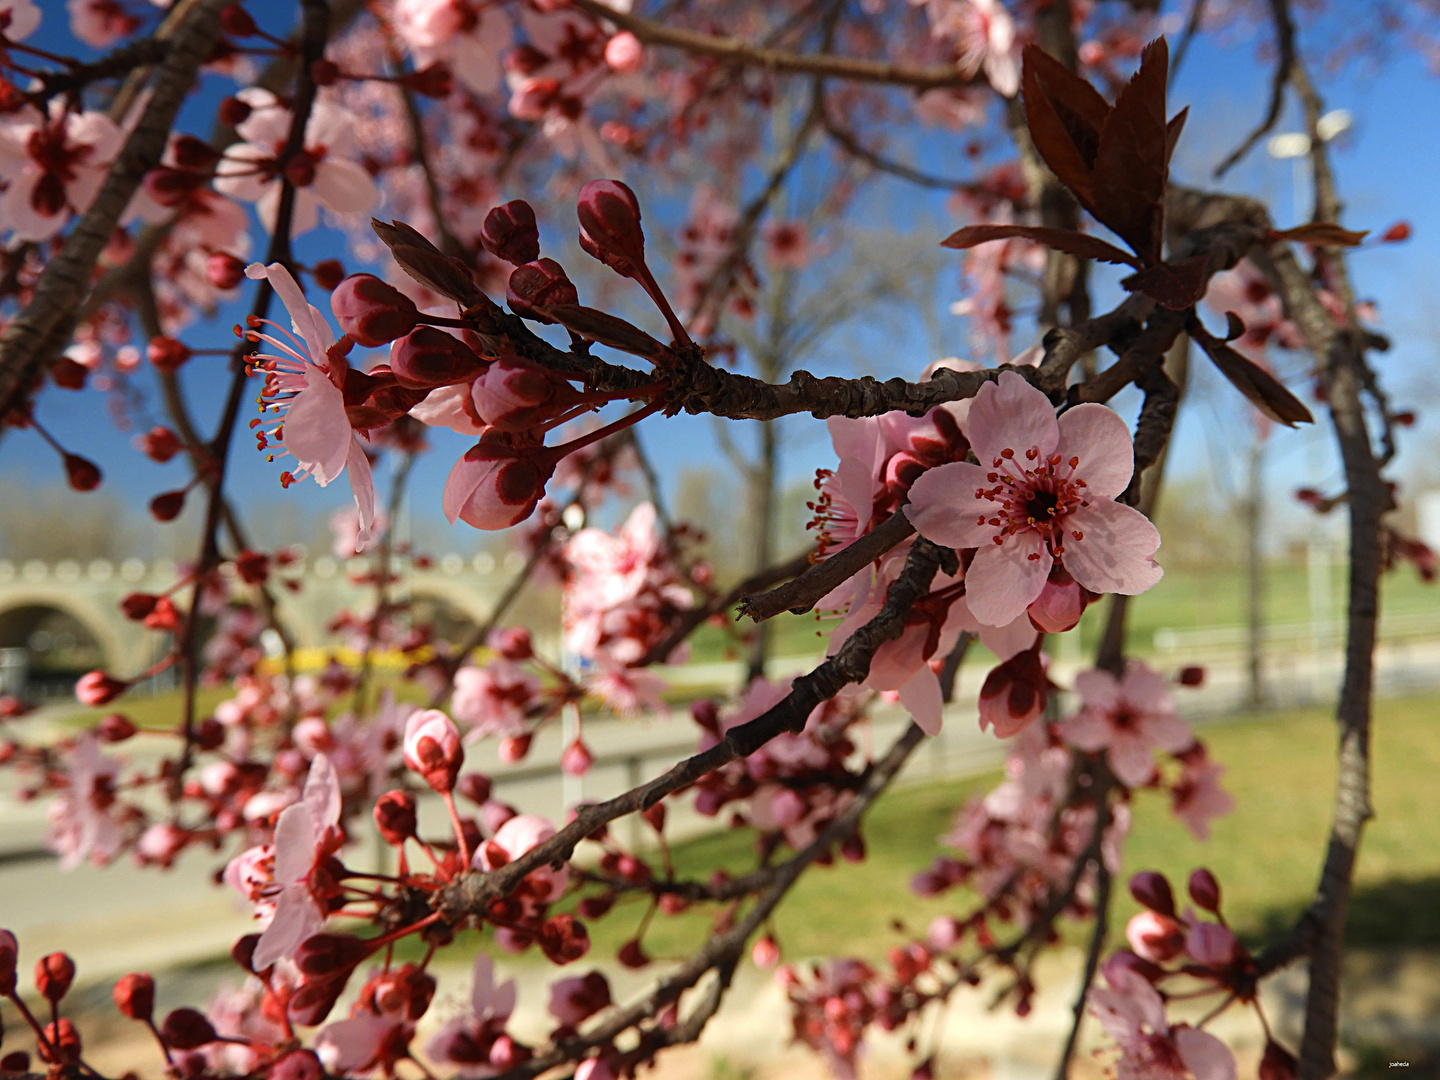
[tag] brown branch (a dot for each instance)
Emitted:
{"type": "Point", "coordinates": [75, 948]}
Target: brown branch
{"type": "Point", "coordinates": [847, 141]}
{"type": "Point", "coordinates": [801, 594]}
{"type": "Point", "coordinates": [1092, 964]}
{"type": "Point", "coordinates": [1284, 66]}
{"type": "Point", "coordinates": [471, 893]}
{"type": "Point", "coordinates": [734, 51]}
{"type": "Point", "coordinates": [66, 277]}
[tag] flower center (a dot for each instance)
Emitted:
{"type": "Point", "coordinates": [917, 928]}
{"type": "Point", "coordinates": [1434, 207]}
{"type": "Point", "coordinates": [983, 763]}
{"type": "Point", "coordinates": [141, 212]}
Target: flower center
{"type": "Point", "coordinates": [1032, 494]}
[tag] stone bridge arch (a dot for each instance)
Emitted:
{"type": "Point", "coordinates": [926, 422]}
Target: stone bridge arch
{"type": "Point", "coordinates": [64, 634]}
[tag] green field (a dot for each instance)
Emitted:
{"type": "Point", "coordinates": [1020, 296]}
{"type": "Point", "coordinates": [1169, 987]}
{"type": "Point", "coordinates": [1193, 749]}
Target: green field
{"type": "Point", "coordinates": [1266, 854]}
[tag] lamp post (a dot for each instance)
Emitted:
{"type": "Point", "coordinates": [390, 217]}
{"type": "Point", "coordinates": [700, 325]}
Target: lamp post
{"type": "Point", "coordinates": [1295, 145]}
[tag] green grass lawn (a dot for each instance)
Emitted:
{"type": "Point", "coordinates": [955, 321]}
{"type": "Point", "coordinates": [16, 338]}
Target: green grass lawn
{"type": "Point", "coordinates": [1266, 854]}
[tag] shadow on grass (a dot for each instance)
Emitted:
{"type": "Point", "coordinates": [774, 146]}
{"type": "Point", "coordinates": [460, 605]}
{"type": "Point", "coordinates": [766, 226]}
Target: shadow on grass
{"type": "Point", "coordinates": [1401, 913]}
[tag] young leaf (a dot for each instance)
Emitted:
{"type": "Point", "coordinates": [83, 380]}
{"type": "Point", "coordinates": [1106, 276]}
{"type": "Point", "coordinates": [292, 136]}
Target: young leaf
{"type": "Point", "coordinates": [1172, 133]}
{"type": "Point", "coordinates": [1257, 384]}
{"type": "Point", "coordinates": [1062, 137]}
{"type": "Point", "coordinates": [1131, 164]}
{"type": "Point", "coordinates": [1072, 243]}
{"type": "Point", "coordinates": [424, 262]}
{"type": "Point", "coordinates": [605, 328]}
{"type": "Point", "coordinates": [1322, 234]}
{"type": "Point", "coordinates": [1171, 285]}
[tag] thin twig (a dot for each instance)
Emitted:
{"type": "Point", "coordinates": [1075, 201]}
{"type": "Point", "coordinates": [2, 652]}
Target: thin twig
{"type": "Point", "coordinates": [1284, 64]}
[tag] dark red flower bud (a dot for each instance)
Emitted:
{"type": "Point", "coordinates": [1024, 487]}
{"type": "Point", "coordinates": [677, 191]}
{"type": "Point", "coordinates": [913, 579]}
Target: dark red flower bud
{"type": "Point", "coordinates": [167, 505]}
{"type": "Point", "coordinates": [435, 80]}
{"type": "Point", "coordinates": [117, 727]}
{"type": "Point", "coordinates": [160, 444]}
{"type": "Point", "coordinates": [510, 233]}
{"type": "Point", "coordinates": [610, 226]}
{"type": "Point", "coordinates": [655, 817]}
{"type": "Point", "coordinates": [243, 951]}
{"type": "Point", "coordinates": [1205, 890]}
{"type": "Point", "coordinates": [328, 274]}
{"type": "Point", "coordinates": [1277, 1063]}
{"type": "Point", "coordinates": [186, 1029]}
{"type": "Point", "coordinates": [134, 995]}
{"type": "Point", "coordinates": [593, 907]}
{"type": "Point", "coordinates": [234, 111]}
{"type": "Point", "coordinates": [53, 976]}
{"type": "Point", "coordinates": [539, 284]}
{"type": "Point", "coordinates": [405, 989]}
{"type": "Point", "coordinates": [297, 1065]}
{"type": "Point", "coordinates": [513, 643]}
{"type": "Point", "coordinates": [852, 848]}
{"type": "Point", "coordinates": [506, 1053]}
{"type": "Point", "coordinates": [9, 961]}
{"type": "Point", "coordinates": [1395, 233]}
{"type": "Point", "coordinates": [632, 954]}
{"type": "Point", "coordinates": [63, 1043]}
{"type": "Point", "coordinates": [223, 270]}
{"type": "Point", "coordinates": [137, 605]}
{"type": "Point", "coordinates": [1151, 889]}
{"type": "Point", "coordinates": [475, 787]}
{"type": "Point", "coordinates": [428, 357]}
{"type": "Point", "coordinates": [327, 955]}
{"type": "Point", "coordinates": [312, 1001]}
{"type": "Point", "coordinates": [325, 72]}
{"type": "Point", "coordinates": [514, 394]}
{"type": "Point", "coordinates": [564, 938]}
{"type": "Point", "coordinates": [69, 374]}
{"type": "Point", "coordinates": [1194, 675]}
{"type": "Point", "coordinates": [395, 816]}
{"type": "Point", "coordinates": [236, 21]}
{"type": "Point", "coordinates": [253, 567]}
{"type": "Point", "coordinates": [167, 353]}
{"type": "Point", "coordinates": [17, 1061]}
{"type": "Point", "coordinates": [209, 734]}
{"type": "Point", "coordinates": [194, 154]}
{"type": "Point", "coordinates": [83, 474]}
{"type": "Point", "coordinates": [1014, 693]}
{"type": "Point", "coordinates": [98, 688]}
{"type": "Point", "coordinates": [372, 311]}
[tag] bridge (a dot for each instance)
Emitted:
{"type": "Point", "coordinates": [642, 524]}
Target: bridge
{"type": "Point", "coordinates": [58, 620]}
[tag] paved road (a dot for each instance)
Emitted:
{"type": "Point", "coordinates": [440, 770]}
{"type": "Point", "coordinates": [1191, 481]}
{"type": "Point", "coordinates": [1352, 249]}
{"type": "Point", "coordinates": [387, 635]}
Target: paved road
{"type": "Point", "coordinates": [116, 919]}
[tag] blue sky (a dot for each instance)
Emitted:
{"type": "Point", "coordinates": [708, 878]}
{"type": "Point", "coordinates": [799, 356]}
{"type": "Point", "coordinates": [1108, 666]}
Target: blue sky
{"type": "Point", "coordinates": [1385, 166]}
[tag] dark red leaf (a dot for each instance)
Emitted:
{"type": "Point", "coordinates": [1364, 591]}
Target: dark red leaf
{"type": "Point", "coordinates": [1263, 389]}
{"type": "Point", "coordinates": [604, 328]}
{"type": "Point", "coordinates": [426, 263]}
{"type": "Point", "coordinates": [1172, 133]}
{"type": "Point", "coordinates": [1322, 234]}
{"type": "Point", "coordinates": [1055, 131]}
{"type": "Point", "coordinates": [1172, 286]}
{"type": "Point", "coordinates": [1072, 243]}
{"type": "Point", "coordinates": [1130, 167]}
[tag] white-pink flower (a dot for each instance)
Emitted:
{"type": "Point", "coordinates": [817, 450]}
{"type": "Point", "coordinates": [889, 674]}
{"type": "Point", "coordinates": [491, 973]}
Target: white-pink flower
{"type": "Point", "coordinates": [1133, 1014]}
{"type": "Point", "coordinates": [22, 18]}
{"type": "Point", "coordinates": [1045, 494]}
{"type": "Point", "coordinates": [494, 699]}
{"type": "Point", "coordinates": [490, 1007]}
{"type": "Point", "coordinates": [1129, 718]}
{"type": "Point", "coordinates": [472, 37]}
{"type": "Point", "coordinates": [304, 383]}
{"type": "Point", "coordinates": [80, 823]}
{"type": "Point", "coordinates": [985, 38]}
{"type": "Point", "coordinates": [100, 23]}
{"type": "Point", "coordinates": [305, 833]}
{"type": "Point", "coordinates": [322, 172]}
{"type": "Point", "coordinates": [515, 838]}
{"type": "Point", "coordinates": [1197, 796]}
{"type": "Point", "coordinates": [53, 165]}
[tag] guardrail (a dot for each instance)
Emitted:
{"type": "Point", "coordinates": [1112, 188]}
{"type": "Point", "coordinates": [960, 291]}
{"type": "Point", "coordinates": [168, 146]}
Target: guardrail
{"type": "Point", "coordinates": [1323, 633]}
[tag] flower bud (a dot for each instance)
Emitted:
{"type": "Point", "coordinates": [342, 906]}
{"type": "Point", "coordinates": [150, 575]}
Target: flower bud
{"type": "Point", "coordinates": [513, 749]}
{"type": "Point", "coordinates": [475, 787]}
{"type": "Point", "coordinates": [312, 1001]}
{"type": "Point", "coordinates": [1013, 694]}
{"type": "Point", "coordinates": [98, 688]}
{"type": "Point", "coordinates": [1194, 675]}
{"type": "Point", "coordinates": [765, 952]}
{"type": "Point", "coordinates": [9, 961]}
{"type": "Point", "coordinates": [186, 1029]}
{"type": "Point", "coordinates": [297, 1065]}
{"type": "Point", "coordinates": [514, 394]}
{"type": "Point", "coordinates": [233, 111]}
{"type": "Point", "coordinates": [594, 1069]}
{"type": "Point", "coordinates": [435, 80]}
{"type": "Point", "coordinates": [1210, 944]}
{"type": "Point", "coordinates": [624, 53]}
{"type": "Point", "coordinates": [83, 474]}
{"type": "Point", "coordinates": [1060, 604]}
{"type": "Point", "coordinates": [497, 483]}
{"type": "Point", "coordinates": [610, 226]}
{"type": "Point", "coordinates": [18, 1061]}
{"type": "Point", "coordinates": [134, 995]}
{"type": "Point", "coordinates": [62, 1043]}
{"type": "Point", "coordinates": [509, 233]}
{"type": "Point", "coordinates": [167, 354]}
{"type": "Point", "coordinates": [506, 1054]}
{"type": "Point", "coordinates": [427, 357]}
{"type": "Point", "coordinates": [432, 748]}
{"type": "Point", "coordinates": [1151, 889]}
{"type": "Point", "coordinates": [328, 274]}
{"type": "Point", "coordinates": [372, 311]}
{"type": "Point", "coordinates": [1395, 233]}
{"type": "Point", "coordinates": [1277, 1063]}
{"type": "Point", "coordinates": [115, 728]}
{"type": "Point", "coordinates": [165, 616]}
{"type": "Point", "coordinates": [159, 444]}
{"type": "Point", "coordinates": [513, 643]}
{"type": "Point", "coordinates": [1155, 937]}
{"type": "Point", "coordinates": [236, 21]}
{"type": "Point", "coordinates": [324, 72]}
{"type": "Point", "coordinates": [655, 817]}
{"type": "Point", "coordinates": [167, 505]}
{"type": "Point", "coordinates": [540, 283]}
{"type": "Point", "coordinates": [594, 907]}
{"type": "Point", "coordinates": [1205, 890]}
{"type": "Point", "coordinates": [395, 816]}
{"type": "Point", "coordinates": [632, 954]}
{"type": "Point", "coordinates": [135, 606]}
{"type": "Point", "coordinates": [69, 374]}
{"type": "Point", "coordinates": [323, 956]}
{"type": "Point", "coordinates": [563, 938]}
{"type": "Point", "coordinates": [224, 270]}
{"type": "Point", "coordinates": [576, 759]}
{"type": "Point", "coordinates": [253, 567]}
{"type": "Point", "coordinates": [243, 951]}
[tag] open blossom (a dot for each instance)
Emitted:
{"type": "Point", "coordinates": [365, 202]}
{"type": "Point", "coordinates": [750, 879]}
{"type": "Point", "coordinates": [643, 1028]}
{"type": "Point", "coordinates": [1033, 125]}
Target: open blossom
{"type": "Point", "coordinates": [1197, 797]}
{"type": "Point", "coordinates": [304, 381]}
{"type": "Point", "coordinates": [80, 823]}
{"type": "Point", "coordinates": [494, 699]}
{"type": "Point", "coordinates": [1133, 1014]}
{"type": "Point", "coordinates": [1046, 495]}
{"type": "Point", "coordinates": [53, 165]}
{"type": "Point", "coordinates": [984, 35]}
{"type": "Point", "coordinates": [471, 36]}
{"type": "Point", "coordinates": [305, 835]}
{"type": "Point", "coordinates": [463, 1043]}
{"type": "Point", "coordinates": [322, 173]}
{"type": "Point", "coordinates": [23, 16]}
{"type": "Point", "coordinates": [1128, 718]}
{"type": "Point", "coordinates": [100, 23]}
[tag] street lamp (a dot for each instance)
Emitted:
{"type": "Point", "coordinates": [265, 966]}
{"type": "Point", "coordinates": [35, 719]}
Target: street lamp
{"type": "Point", "coordinates": [1296, 144]}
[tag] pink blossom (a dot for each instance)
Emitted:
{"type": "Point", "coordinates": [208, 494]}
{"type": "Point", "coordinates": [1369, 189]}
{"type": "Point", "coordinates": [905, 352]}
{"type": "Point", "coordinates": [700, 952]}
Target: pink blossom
{"type": "Point", "coordinates": [304, 382]}
{"type": "Point", "coordinates": [1210, 944]}
{"type": "Point", "coordinates": [1049, 500]}
{"type": "Point", "coordinates": [322, 173]}
{"type": "Point", "coordinates": [452, 407]}
{"type": "Point", "coordinates": [515, 838]}
{"type": "Point", "coordinates": [574, 1000]}
{"type": "Point", "coordinates": [472, 37]}
{"type": "Point", "coordinates": [354, 1045]}
{"type": "Point", "coordinates": [81, 826]}
{"type": "Point", "coordinates": [1155, 937]}
{"type": "Point", "coordinates": [464, 1039]}
{"type": "Point", "coordinates": [624, 53]}
{"type": "Point", "coordinates": [494, 699]}
{"type": "Point", "coordinates": [1133, 1014]}
{"type": "Point", "coordinates": [54, 166]}
{"type": "Point", "coordinates": [432, 748]}
{"type": "Point", "coordinates": [985, 38]}
{"type": "Point", "coordinates": [24, 18]}
{"type": "Point", "coordinates": [346, 529]}
{"type": "Point", "coordinates": [627, 691]}
{"type": "Point", "coordinates": [1128, 718]}
{"type": "Point", "coordinates": [497, 482]}
{"type": "Point", "coordinates": [100, 23]}
{"type": "Point", "coordinates": [1197, 797]}
{"type": "Point", "coordinates": [305, 834]}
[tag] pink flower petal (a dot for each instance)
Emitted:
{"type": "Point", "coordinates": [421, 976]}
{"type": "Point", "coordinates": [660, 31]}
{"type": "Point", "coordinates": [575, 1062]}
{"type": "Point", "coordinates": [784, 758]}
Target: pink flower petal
{"type": "Point", "coordinates": [1205, 1055]}
{"type": "Point", "coordinates": [317, 431]}
{"type": "Point", "coordinates": [1100, 439]}
{"type": "Point", "coordinates": [944, 510]}
{"type": "Point", "coordinates": [1116, 551]}
{"type": "Point", "coordinates": [1010, 413]}
{"type": "Point", "coordinates": [362, 486]}
{"type": "Point", "coordinates": [346, 188]}
{"type": "Point", "coordinates": [921, 698]}
{"type": "Point", "coordinates": [1005, 578]}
